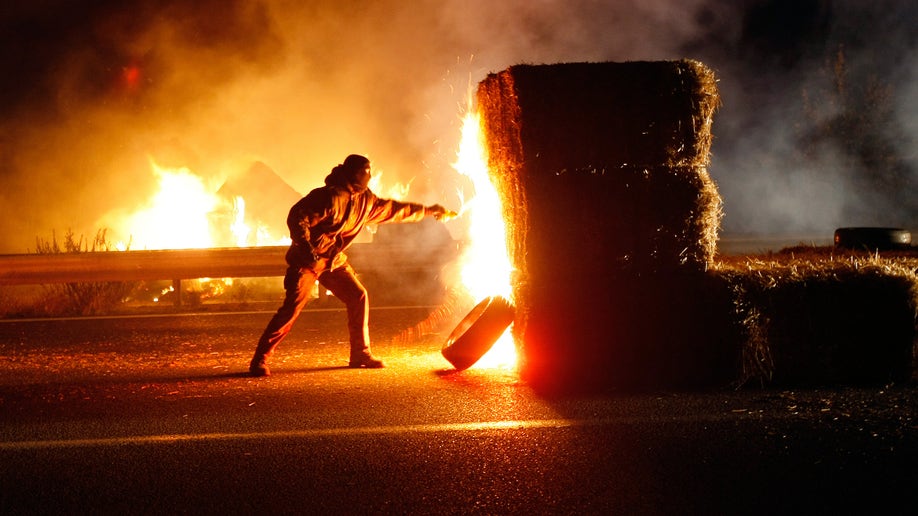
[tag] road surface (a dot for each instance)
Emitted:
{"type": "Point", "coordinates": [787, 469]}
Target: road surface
{"type": "Point", "coordinates": [154, 415]}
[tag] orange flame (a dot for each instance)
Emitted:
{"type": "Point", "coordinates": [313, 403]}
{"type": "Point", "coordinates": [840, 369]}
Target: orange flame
{"type": "Point", "coordinates": [177, 215]}
{"type": "Point", "coordinates": [240, 229]}
{"type": "Point", "coordinates": [486, 267]}
{"type": "Point", "coordinates": [397, 191]}
{"type": "Point", "coordinates": [187, 213]}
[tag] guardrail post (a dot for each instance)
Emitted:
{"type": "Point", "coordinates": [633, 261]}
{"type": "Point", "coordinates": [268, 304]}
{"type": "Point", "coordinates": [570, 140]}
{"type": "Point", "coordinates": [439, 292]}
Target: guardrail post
{"type": "Point", "coordinates": [177, 289]}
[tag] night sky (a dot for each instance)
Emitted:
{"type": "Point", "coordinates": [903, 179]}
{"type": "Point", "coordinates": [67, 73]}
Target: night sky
{"type": "Point", "coordinates": [92, 90]}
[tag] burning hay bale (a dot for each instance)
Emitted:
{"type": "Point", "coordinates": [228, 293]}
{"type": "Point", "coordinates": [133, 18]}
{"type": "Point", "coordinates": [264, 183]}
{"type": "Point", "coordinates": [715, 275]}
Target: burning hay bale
{"type": "Point", "coordinates": [602, 172]}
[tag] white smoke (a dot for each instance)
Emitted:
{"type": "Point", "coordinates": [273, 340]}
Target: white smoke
{"type": "Point", "coordinates": [299, 85]}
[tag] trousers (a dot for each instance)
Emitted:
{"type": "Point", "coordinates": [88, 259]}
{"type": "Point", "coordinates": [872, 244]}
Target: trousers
{"type": "Point", "coordinates": [298, 282]}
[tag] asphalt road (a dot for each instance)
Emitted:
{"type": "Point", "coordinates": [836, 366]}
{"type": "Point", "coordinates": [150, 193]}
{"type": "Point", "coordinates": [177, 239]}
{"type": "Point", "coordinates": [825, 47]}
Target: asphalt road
{"type": "Point", "coordinates": [155, 415]}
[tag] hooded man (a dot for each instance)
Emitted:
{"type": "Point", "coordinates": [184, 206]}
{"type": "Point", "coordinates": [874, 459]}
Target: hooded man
{"type": "Point", "coordinates": [322, 225]}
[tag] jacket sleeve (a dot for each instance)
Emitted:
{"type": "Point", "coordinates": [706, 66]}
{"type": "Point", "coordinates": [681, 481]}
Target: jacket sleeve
{"type": "Point", "coordinates": [388, 210]}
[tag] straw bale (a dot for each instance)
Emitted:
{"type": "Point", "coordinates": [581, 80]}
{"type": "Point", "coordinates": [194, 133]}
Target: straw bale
{"type": "Point", "coordinates": [672, 330]}
{"type": "Point", "coordinates": [645, 220]}
{"type": "Point", "coordinates": [585, 115]}
{"type": "Point", "coordinates": [817, 319]}
{"type": "Point", "coordinates": [605, 155]}
{"type": "Point", "coordinates": [601, 168]}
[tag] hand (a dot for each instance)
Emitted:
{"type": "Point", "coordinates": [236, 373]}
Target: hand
{"type": "Point", "coordinates": [440, 213]}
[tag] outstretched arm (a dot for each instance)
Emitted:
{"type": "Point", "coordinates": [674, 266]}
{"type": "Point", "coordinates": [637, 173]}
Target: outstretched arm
{"type": "Point", "coordinates": [387, 210]}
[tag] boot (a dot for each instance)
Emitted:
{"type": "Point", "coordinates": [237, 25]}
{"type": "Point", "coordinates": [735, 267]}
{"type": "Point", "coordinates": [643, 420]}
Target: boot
{"type": "Point", "coordinates": [366, 361]}
{"type": "Point", "coordinates": [258, 367]}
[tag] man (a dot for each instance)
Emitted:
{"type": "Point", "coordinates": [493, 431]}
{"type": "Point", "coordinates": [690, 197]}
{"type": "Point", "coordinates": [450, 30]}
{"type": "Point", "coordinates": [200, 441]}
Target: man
{"type": "Point", "coordinates": [322, 225]}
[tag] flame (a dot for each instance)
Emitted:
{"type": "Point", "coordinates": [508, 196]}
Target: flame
{"type": "Point", "coordinates": [182, 214]}
{"type": "Point", "coordinates": [486, 267]}
{"type": "Point", "coordinates": [239, 228]}
{"type": "Point", "coordinates": [187, 213]}
{"type": "Point", "coordinates": [177, 215]}
{"type": "Point", "coordinates": [397, 191]}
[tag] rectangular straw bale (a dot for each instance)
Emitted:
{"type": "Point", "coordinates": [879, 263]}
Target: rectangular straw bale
{"type": "Point", "coordinates": [643, 220]}
{"type": "Point", "coordinates": [827, 324]}
{"type": "Point", "coordinates": [601, 171]}
{"type": "Point", "coordinates": [607, 155]}
{"type": "Point", "coordinates": [592, 115]}
{"type": "Point", "coordinates": [675, 329]}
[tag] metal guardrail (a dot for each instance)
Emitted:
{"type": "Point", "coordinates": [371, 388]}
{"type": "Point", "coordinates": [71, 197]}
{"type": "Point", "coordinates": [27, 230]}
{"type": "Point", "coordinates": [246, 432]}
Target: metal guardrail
{"type": "Point", "coordinates": [184, 264]}
{"type": "Point", "coordinates": [178, 264]}
{"type": "Point", "coordinates": [23, 269]}
{"type": "Point", "coordinates": [175, 265]}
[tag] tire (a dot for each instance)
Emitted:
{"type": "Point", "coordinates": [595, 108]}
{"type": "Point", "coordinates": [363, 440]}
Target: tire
{"type": "Point", "coordinates": [873, 239]}
{"type": "Point", "coordinates": [478, 331]}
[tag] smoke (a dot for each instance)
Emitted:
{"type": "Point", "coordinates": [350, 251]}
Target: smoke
{"type": "Point", "coordinates": [815, 132]}
{"type": "Point", "coordinates": [93, 90]}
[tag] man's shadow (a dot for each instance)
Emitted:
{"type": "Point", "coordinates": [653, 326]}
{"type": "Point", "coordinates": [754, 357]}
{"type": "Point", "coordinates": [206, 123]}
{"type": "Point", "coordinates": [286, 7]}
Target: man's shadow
{"type": "Point", "coordinates": [277, 372]}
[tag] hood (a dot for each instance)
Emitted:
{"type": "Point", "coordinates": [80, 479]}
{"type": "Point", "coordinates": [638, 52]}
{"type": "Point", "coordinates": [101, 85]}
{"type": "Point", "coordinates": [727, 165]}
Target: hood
{"type": "Point", "coordinates": [339, 177]}
{"type": "Point", "coordinates": [346, 174]}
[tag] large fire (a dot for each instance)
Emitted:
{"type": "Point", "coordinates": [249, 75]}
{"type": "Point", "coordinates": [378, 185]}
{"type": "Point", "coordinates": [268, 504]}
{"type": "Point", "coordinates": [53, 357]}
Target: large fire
{"type": "Point", "coordinates": [486, 268]}
{"type": "Point", "coordinates": [177, 215]}
{"type": "Point", "coordinates": [187, 213]}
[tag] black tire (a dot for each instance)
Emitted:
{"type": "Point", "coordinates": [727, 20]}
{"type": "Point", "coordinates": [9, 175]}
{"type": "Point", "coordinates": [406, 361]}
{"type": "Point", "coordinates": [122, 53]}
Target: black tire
{"type": "Point", "coordinates": [478, 331]}
{"type": "Point", "coordinates": [873, 239]}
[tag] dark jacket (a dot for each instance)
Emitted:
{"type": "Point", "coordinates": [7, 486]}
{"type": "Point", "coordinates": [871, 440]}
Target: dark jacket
{"type": "Point", "coordinates": [325, 222]}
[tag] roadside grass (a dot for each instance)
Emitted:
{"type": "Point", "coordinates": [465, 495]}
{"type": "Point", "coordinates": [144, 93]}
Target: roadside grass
{"type": "Point", "coordinates": [84, 298]}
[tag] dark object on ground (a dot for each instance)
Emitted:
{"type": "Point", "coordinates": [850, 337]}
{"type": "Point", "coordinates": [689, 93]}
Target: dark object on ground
{"type": "Point", "coordinates": [478, 331]}
{"type": "Point", "coordinates": [873, 239]}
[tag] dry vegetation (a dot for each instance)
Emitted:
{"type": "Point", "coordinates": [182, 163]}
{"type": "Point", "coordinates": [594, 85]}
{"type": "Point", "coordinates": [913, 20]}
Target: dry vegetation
{"type": "Point", "coordinates": [80, 298]}
{"type": "Point", "coordinates": [602, 169]}
{"type": "Point", "coordinates": [824, 315]}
